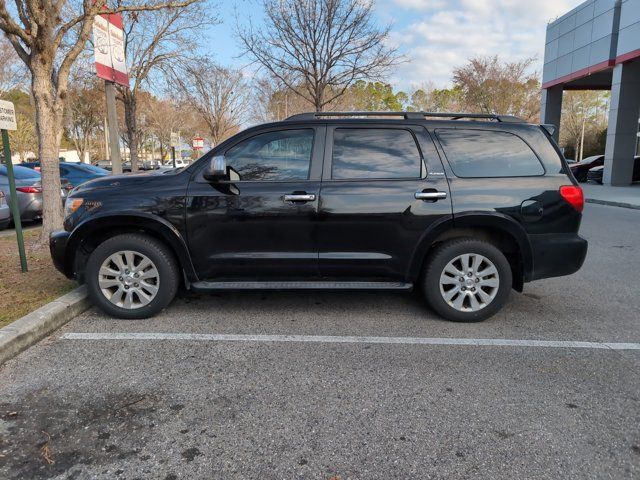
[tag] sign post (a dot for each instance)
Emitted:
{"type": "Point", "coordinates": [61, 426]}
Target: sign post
{"type": "Point", "coordinates": [8, 122]}
{"type": "Point", "coordinates": [108, 38]}
{"type": "Point", "coordinates": [198, 144]}
{"type": "Point", "coordinates": [174, 142]}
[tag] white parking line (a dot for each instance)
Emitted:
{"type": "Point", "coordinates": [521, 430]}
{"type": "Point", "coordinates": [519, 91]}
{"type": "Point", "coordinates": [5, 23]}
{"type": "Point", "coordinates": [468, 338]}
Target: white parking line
{"type": "Point", "coordinates": [476, 342]}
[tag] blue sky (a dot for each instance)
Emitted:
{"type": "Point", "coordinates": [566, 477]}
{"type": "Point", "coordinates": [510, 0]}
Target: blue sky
{"type": "Point", "coordinates": [434, 35]}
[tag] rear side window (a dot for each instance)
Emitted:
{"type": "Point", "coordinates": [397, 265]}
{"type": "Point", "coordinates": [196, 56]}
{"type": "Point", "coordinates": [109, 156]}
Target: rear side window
{"type": "Point", "coordinates": [488, 153]}
{"type": "Point", "coordinates": [370, 153]}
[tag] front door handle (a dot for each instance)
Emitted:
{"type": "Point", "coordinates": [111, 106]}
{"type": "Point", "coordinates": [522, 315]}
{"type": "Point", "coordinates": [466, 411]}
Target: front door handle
{"type": "Point", "coordinates": [300, 197]}
{"type": "Point", "coordinates": [431, 195]}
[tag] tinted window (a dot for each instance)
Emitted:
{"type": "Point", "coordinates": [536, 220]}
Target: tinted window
{"type": "Point", "coordinates": [21, 173]}
{"type": "Point", "coordinates": [484, 153]}
{"type": "Point", "coordinates": [275, 156]}
{"type": "Point", "coordinates": [374, 153]}
{"type": "Point", "coordinates": [90, 168]}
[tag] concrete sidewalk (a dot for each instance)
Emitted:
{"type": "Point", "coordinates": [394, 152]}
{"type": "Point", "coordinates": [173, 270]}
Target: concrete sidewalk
{"type": "Point", "coordinates": [628, 197]}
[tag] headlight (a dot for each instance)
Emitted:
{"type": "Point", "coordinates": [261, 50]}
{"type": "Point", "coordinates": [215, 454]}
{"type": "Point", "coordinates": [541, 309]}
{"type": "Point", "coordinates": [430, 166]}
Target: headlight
{"type": "Point", "coordinates": [71, 205]}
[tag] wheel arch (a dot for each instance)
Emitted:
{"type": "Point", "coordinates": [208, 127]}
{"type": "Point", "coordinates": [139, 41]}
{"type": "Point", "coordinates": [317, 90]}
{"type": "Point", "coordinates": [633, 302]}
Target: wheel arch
{"type": "Point", "coordinates": [496, 228]}
{"type": "Point", "coordinates": [90, 233]}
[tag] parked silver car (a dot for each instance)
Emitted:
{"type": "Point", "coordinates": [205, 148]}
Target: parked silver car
{"type": "Point", "coordinates": [5, 214]}
{"type": "Point", "coordinates": [29, 190]}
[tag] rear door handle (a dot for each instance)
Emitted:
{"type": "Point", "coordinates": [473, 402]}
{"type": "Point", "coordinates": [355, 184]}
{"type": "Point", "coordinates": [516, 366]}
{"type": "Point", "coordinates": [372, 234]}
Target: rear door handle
{"type": "Point", "coordinates": [300, 197]}
{"type": "Point", "coordinates": [432, 195]}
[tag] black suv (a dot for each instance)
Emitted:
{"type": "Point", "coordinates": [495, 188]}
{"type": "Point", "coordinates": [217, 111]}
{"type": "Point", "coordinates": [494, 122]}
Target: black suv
{"type": "Point", "coordinates": [465, 207]}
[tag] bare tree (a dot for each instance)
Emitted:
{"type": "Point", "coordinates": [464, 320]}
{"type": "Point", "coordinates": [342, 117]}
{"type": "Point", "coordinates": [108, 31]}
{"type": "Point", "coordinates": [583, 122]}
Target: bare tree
{"type": "Point", "coordinates": [167, 115]}
{"type": "Point", "coordinates": [23, 139]}
{"type": "Point", "coordinates": [12, 72]}
{"type": "Point", "coordinates": [217, 94]}
{"type": "Point", "coordinates": [153, 41]}
{"type": "Point", "coordinates": [48, 36]}
{"type": "Point", "coordinates": [319, 48]}
{"type": "Point", "coordinates": [584, 116]}
{"type": "Point", "coordinates": [489, 85]}
{"type": "Point", "coordinates": [271, 100]}
{"type": "Point", "coordinates": [84, 116]}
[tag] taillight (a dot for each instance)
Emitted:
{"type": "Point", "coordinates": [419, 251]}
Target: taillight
{"type": "Point", "coordinates": [573, 195]}
{"type": "Point", "coordinates": [29, 189]}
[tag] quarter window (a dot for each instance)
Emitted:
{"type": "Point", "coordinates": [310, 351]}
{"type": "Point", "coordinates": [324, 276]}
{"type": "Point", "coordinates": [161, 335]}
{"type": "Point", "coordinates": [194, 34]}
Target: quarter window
{"type": "Point", "coordinates": [283, 155]}
{"type": "Point", "coordinates": [370, 153]}
{"type": "Point", "coordinates": [488, 153]}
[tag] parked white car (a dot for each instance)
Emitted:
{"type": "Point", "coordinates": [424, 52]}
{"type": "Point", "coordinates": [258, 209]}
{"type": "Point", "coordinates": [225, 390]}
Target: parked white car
{"type": "Point", "coordinates": [179, 163]}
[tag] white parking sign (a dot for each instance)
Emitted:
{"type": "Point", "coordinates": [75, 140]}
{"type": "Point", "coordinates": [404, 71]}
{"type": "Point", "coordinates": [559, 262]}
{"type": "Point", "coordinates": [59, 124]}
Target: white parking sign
{"type": "Point", "coordinates": [7, 116]}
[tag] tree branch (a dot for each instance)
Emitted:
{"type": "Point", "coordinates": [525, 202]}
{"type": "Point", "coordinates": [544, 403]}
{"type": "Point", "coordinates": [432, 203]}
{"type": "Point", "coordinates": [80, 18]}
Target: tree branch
{"type": "Point", "coordinates": [10, 27]}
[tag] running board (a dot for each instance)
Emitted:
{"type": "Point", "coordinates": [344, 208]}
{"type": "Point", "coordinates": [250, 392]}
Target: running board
{"type": "Point", "coordinates": [311, 285]}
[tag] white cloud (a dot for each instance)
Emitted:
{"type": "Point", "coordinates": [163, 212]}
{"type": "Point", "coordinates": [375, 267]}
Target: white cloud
{"type": "Point", "coordinates": [436, 36]}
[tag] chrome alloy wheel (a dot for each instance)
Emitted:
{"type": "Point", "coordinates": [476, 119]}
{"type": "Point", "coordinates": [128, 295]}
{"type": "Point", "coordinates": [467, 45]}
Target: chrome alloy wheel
{"type": "Point", "coordinates": [129, 279]}
{"type": "Point", "coordinates": [469, 282]}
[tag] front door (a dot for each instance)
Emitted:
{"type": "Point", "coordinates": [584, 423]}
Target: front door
{"type": "Point", "coordinates": [382, 188]}
{"type": "Point", "coordinates": [260, 224]}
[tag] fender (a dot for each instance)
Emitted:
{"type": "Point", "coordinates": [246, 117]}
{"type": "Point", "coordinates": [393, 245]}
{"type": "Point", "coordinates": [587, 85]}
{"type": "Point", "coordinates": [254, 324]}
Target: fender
{"type": "Point", "coordinates": [493, 220]}
{"type": "Point", "coordinates": [138, 220]}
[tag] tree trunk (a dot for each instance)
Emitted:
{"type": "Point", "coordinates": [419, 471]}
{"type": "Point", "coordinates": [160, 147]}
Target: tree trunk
{"type": "Point", "coordinates": [80, 149]}
{"type": "Point", "coordinates": [318, 99]}
{"type": "Point", "coordinates": [49, 131]}
{"type": "Point", "coordinates": [133, 136]}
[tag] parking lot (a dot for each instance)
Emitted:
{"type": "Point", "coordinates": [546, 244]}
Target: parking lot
{"type": "Point", "coordinates": [291, 384]}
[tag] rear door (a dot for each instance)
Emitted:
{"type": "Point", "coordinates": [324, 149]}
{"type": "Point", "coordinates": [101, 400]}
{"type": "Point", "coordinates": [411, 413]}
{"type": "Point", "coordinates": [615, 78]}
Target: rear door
{"type": "Point", "coordinates": [383, 186]}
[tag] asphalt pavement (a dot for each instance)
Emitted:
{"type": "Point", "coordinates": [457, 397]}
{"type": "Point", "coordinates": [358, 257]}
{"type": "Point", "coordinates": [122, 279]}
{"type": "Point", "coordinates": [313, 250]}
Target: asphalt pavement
{"type": "Point", "coordinates": [285, 385]}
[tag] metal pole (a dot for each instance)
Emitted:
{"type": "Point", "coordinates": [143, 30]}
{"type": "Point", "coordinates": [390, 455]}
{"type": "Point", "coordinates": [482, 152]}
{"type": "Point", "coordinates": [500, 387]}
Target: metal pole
{"type": "Point", "coordinates": [13, 200]}
{"type": "Point", "coordinates": [112, 115]}
{"type": "Point", "coordinates": [106, 139]}
{"type": "Point", "coordinates": [173, 156]}
{"type": "Point", "coordinates": [584, 123]}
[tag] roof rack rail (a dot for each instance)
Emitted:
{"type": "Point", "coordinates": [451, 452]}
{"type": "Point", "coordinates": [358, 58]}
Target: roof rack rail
{"type": "Point", "coordinates": [409, 116]}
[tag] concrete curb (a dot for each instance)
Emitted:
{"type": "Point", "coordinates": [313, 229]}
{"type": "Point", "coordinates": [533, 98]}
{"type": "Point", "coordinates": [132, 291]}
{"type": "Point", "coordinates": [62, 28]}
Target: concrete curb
{"type": "Point", "coordinates": [612, 204]}
{"type": "Point", "coordinates": [33, 327]}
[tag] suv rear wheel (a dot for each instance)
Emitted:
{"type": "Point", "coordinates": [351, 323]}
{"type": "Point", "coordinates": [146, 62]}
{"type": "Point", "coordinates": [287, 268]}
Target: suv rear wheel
{"type": "Point", "coordinates": [131, 276]}
{"type": "Point", "coordinates": [466, 280]}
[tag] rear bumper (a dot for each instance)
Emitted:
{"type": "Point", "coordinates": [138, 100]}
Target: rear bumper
{"type": "Point", "coordinates": [31, 208]}
{"type": "Point", "coordinates": [595, 176]}
{"type": "Point", "coordinates": [558, 254]}
{"type": "Point", "coordinates": [58, 248]}
{"type": "Point", "coordinates": [5, 217]}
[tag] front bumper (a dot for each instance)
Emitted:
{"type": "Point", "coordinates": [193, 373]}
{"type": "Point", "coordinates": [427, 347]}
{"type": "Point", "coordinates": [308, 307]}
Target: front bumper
{"type": "Point", "coordinates": [557, 254]}
{"type": "Point", "coordinates": [58, 248]}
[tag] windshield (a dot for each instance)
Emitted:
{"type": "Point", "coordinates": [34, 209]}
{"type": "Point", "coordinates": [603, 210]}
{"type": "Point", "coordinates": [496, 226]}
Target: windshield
{"type": "Point", "coordinates": [21, 173]}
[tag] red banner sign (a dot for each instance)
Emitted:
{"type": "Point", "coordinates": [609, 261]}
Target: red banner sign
{"type": "Point", "coordinates": [108, 41]}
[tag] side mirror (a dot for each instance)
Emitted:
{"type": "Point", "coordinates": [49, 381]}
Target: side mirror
{"type": "Point", "coordinates": [217, 169]}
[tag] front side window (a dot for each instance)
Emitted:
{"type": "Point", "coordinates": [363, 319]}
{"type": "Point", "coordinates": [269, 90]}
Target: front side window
{"type": "Point", "coordinates": [370, 153]}
{"type": "Point", "coordinates": [488, 153]}
{"type": "Point", "coordinates": [284, 155]}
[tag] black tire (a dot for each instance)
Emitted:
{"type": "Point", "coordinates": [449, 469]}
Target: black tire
{"type": "Point", "coordinates": [440, 257]}
{"type": "Point", "coordinates": [153, 249]}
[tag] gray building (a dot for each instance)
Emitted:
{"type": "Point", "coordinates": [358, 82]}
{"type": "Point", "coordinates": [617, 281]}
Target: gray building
{"type": "Point", "coordinates": [596, 46]}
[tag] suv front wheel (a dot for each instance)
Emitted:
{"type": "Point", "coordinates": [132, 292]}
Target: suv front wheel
{"type": "Point", "coordinates": [466, 280]}
{"type": "Point", "coordinates": [131, 276]}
